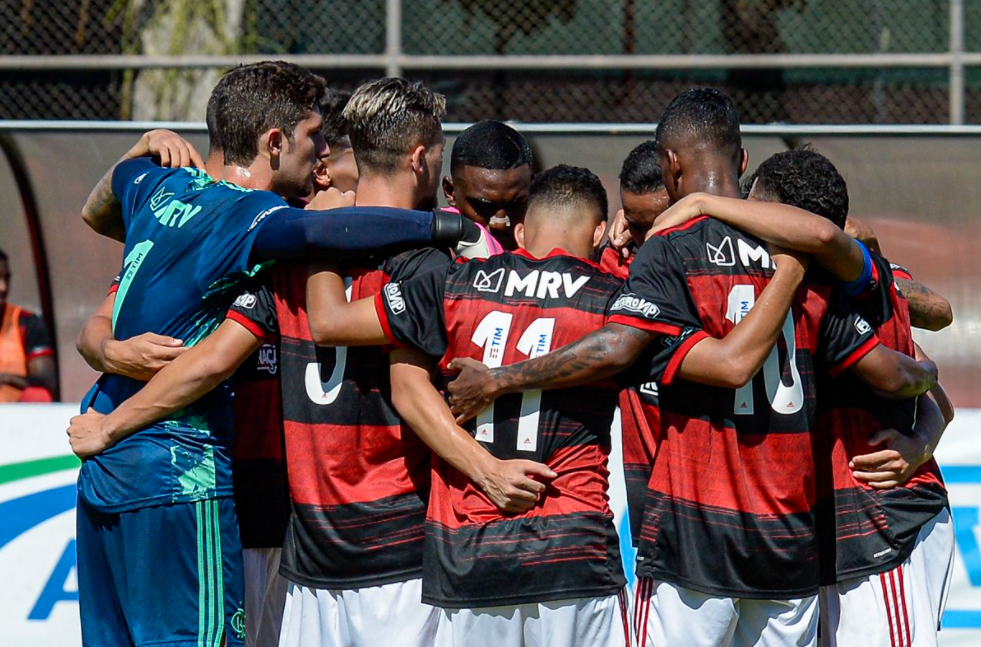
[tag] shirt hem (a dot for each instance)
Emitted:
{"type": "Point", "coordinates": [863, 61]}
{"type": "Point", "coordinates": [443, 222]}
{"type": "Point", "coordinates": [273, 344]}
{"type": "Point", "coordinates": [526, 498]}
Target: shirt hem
{"type": "Point", "coordinates": [726, 592]}
{"type": "Point", "coordinates": [151, 502]}
{"type": "Point", "coordinates": [526, 598]}
{"type": "Point", "coordinates": [347, 584]}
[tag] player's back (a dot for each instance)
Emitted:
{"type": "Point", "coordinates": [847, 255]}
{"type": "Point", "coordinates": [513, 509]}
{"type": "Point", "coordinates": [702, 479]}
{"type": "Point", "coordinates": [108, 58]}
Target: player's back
{"type": "Point", "coordinates": [501, 311]}
{"type": "Point", "coordinates": [188, 241]}
{"type": "Point", "coordinates": [874, 529]}
{"type": "Point", "coordinates": [734, 467]}
{"type": "Point", "coordinates": [359, 477]}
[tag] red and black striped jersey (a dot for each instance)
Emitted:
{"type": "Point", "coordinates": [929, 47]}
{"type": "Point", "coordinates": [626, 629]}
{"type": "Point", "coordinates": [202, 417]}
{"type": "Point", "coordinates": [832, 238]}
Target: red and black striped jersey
{"type": "Point", "coordinates": [359, 478]}
{"type": "Point", "coordinates": [262, 500]}
{"type": "Point", "coordinates": [874, 529]}
{"type": "Point", "coordinates": [734, 468]}
{"type": "Point", "coordinates": [500, 311]}
{"type": "Point", "coordinates": [640, 421]}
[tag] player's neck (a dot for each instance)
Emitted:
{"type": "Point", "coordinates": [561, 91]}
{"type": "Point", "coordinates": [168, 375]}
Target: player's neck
{"type": "Point", "coordinates": [543, 242]}
{"type": "Point", "coordinates": [214, 166]}
{"type": "Point", "coordinates": [712, 181]}
{"type": "Point", "coordinates": [386, 191]}
{"type": "Point", "coordinates": [254, 176]}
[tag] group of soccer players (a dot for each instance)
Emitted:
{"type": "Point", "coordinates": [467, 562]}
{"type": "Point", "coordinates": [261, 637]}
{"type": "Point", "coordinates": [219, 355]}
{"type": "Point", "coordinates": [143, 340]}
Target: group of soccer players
{"type": "Point", "coordinates": [269, 459]}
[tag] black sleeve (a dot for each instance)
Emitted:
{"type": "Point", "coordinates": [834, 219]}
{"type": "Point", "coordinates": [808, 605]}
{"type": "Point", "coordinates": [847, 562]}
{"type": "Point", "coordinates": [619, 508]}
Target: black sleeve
{"type": "Point", "coordinates": [416, 262]}
{"type": "Point", "coordinates": [255, 308]}
{"type": "Point", "coordinates": [845, 336]}
{"type": "Point", "coordinates": [411, 312]}
{"type": "Point", "coordinates": [656, 297]}
{"type": "Point", "coordinates": [37, 342]}
{"type": "Point", "coordinates": [342, 233]}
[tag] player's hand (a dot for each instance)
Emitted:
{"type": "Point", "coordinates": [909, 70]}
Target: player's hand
{"type": "Point", "coordinates": [789, 260]}
{"type": "Point", "coordinates": [861, 232]}
{"type": "Point", "coordinates": [514, 485]}
{"type": "Point", "coordinates": [472, 391]}
{"type": "Point", "coordinates": [331, 198]}
{"type": "Point", "coordinates": [689, 207]}
{"type": "Point", "coordinates": [619, 235]}
{"type": "Point", "coordinates": [142, 356]}
{"type": "Point", "coordinates": [173, 150]}
{"type": "Point", "coordinates": [892, 465]}
{"type": "Point", "coordinates": [87, 434]}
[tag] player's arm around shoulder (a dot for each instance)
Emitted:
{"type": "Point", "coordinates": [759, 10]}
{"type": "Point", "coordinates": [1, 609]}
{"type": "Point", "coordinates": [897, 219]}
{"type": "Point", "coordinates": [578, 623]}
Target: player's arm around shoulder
{"type": "Point", "coordinates": [513, 486]}
{"type": "Point", "coordinates": [103, 209]}
{"type": "Point", "coordinates": [333, 321]}
{"type": "Point", "coordinates": [179, 384]}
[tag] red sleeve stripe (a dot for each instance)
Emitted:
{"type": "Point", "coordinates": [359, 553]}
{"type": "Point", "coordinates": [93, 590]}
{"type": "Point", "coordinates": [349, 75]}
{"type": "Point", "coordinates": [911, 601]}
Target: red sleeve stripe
{"type": "Point", "coordinates": [113, 289]}
{"type": "Point", "coordinates": [251, 326]}
{"type": "Point", "coordinates": [898, 273]}
{"type": "Point", "coordinates": [383, 320]}
{"type": "Point", "coordinates": [853, 357]}
{"type": "Point", "coordinates": [642, 324]}
{"type": "Point", "coordinates": [40, 352]}
{"type": "Point", "coordinates": [679, 356]}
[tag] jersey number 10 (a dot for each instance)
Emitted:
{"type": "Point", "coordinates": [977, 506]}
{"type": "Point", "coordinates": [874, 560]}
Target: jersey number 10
{"type": "Point", "coordinates": [492, 335]}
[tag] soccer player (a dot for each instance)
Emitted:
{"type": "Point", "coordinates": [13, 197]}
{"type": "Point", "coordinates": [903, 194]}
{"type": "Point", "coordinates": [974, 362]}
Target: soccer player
{"type": "Point", "coordinates": [338, 169]}
{"type": "Point", "coordinates": [490, 169]}
{"type": "Point", "coordinates": [160, 495]}
{"type": "Point", "coordinates": [644, 198]}
{"type": "Point", "coordinates": [887, 564]}
{"type": "Point", "coordinates": [697, 281]}
{"type": "Point", "coordinates": [27, 368]}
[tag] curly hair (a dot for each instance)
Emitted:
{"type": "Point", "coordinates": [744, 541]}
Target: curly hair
{"type": "Point", "coordinates": [805, 179]}
{"type": "Point", "coordinates": [252, 99]}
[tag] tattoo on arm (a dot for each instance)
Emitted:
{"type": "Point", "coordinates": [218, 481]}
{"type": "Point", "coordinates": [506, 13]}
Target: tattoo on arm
{"type": "Point", "coordinates": [102, 211]}
{"type": "Point", "coordinates": [927, 309]}
{"type": "Point", "coordinates": [596, 356]}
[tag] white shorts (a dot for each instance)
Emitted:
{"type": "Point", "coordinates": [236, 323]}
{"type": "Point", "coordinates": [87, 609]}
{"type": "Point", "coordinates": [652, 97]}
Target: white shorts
{"type": "Point", "coordinates": [667, 615]}
{"type": "Point", "coordinates": [588, 622]}
{"type": "Point", "coordinates": [265, 596]}
{"type": "Point", "coordinates": [898, 608]}
{"type": "Point", "coordinates": [391, 615]}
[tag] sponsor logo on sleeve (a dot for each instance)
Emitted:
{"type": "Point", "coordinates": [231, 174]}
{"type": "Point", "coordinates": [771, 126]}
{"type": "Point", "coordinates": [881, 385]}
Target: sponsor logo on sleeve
{"type": "Point", "coordinates": [489, 282]}
{"type": "Point", "coordinates": [862, 326]}
{"type": "Point", "coordinates": [268, 361]}
{"type": "Point", "coordinates": [265, 214]}
{"type": "Point", "coordinates": [393, 294]}
{"type": "Point", "coordinates": [637, 305]}
{"type": "Point", "coordinates": [246, 301]}
{"type": "Point", "coordinates": [139, 178]}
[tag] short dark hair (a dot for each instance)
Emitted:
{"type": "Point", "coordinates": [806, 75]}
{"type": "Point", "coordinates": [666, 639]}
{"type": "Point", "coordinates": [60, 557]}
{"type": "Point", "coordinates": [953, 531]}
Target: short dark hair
{"type": "Point", "coordinates": [211, 119]}
{"type": "Point", "coordinates": [490, 145]}
{"type": "Point", "coordinates": [565, 185]}
{"type": "Point", "coordinates": [641, 172]}
{"type": "Point", "coordinates": [705, 114]}
{"type": "Point", "coordinates": [251, 99]}
{"type": "Point", "coordinates": [332, 107]}
{"type": "Point", "coordinates": [387, 117]}
{"type": "Point", "coordinates": [805, 179]}
{"type": "Point", "coordinates": [3, 255]}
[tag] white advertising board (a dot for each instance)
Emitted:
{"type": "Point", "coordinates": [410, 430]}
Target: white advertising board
{"type": "Point", "coordinates": [39, 590]}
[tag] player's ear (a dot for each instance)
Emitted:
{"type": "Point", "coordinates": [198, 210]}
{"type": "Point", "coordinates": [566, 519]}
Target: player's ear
{"type": "Point", "coordinates": [418, 159]}
{"type": "Point", "coordinates": [743, 161]}
{"type": "Point", "coordinates": [271, 143]}
{"type": "Point", "coordinates": [519, 234]}
{"type": "Point", "coordinates": [599, 234]}
{"type": "Point", "coordinates": [321, 176]}
{"type": "Point", "coordinates": [448, 190]}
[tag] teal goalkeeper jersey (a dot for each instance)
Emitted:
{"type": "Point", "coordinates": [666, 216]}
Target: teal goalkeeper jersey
{"type": "Point", "coordinates": [188, 242]}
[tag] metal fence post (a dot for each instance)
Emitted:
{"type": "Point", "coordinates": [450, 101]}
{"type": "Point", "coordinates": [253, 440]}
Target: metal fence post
{"type": "Point", "coordinates": [393, 37]}
{"type": "Point", "coordinates": [956, 62]}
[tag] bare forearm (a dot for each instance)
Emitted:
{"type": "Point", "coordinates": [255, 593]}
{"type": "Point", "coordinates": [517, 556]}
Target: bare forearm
{"type": "Point", "coordinates": [421, 406]}
{"type": "Point", "coordinates": [102, 211]}
{"type": "Point", "coordinates": [601, 354]}
{"type": "Point", "coordinates": [731, 362]}
{"type": "Point", "coordinates": [930, 425]}
{"type": "Point", "coordinates": [91, 342]}
{"type": "Point", "coordinates": [927, 309]}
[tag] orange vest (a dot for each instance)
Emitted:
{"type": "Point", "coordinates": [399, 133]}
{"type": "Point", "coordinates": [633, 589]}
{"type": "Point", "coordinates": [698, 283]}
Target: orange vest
{"type": "Point", "coordinates": [13, 359]}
